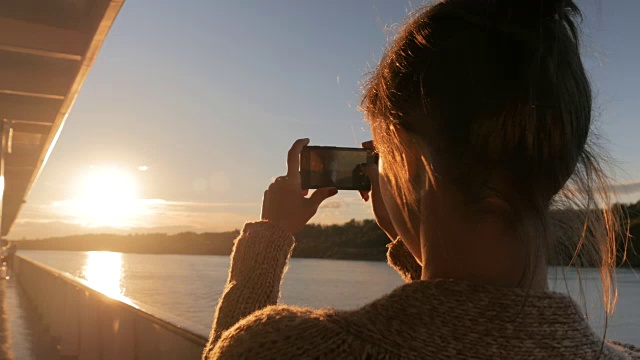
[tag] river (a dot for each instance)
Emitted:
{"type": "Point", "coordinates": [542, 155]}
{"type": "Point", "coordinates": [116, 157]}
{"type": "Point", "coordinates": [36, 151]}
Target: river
{"type": "Point", "coordinates": [188, 286]}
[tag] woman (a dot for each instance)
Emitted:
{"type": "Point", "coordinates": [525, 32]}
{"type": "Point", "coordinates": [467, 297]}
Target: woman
{"type": "Point", "coordinates": [481, 113]}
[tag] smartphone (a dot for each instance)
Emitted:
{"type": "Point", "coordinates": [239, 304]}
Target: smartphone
{"type": "Point", "coordinates": [339, 167]}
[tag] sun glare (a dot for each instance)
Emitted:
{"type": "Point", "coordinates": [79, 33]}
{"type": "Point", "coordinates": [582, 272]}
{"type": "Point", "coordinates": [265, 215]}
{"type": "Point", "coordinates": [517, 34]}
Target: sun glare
{"type": "Point", "coordinates": [106, 197]}
{"type": "Point", "coordinates": [103, 272]}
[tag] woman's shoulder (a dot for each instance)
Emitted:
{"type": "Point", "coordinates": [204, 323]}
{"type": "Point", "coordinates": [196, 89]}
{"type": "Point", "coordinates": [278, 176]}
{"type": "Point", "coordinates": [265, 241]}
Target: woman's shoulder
{"type": "Point", "coordinates": [296, 332]}
{"type": "Point", "coordinates": [285, 315]}
{"type": "Point", "coordinates": [630, 350]}
{"type": "Point", "coordinates": [282, 331]}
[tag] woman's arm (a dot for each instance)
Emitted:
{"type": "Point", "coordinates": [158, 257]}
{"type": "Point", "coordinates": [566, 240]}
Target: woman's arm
{"type": "Point", "coordinates": [258, 263]}
{"type": "Point", "coordinates": [261, 251]}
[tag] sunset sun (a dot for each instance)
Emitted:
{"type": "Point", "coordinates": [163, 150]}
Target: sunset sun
{"type": "Point", "coordinates": [106, 197]}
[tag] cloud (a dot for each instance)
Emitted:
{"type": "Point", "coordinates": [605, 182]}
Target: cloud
{"type": "Point", "coordinates": [42, 229]}
{"type": "Point", "coordinates": [204, 205]}
{"type": "Point", "coordinates": [61, 218]}
{"type": "Point", "coordinates": [620, 192]}
{"type": "Point", "coordinates": [333, 204]}
{"type": "Point", "coordinates": [217, 182]}
{"type": "Point", "coordinates": [627, 188]}
{"type": "Point", "coordinates": [143, 215]}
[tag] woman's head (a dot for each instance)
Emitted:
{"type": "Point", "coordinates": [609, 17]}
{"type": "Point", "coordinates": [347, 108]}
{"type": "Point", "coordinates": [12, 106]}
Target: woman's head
{"type": "Point", "coordinates": [490, 98]}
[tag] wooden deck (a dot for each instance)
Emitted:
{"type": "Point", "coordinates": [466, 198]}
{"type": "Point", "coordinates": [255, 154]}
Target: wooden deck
{"type": "Point", "coordinates": [22, 335]}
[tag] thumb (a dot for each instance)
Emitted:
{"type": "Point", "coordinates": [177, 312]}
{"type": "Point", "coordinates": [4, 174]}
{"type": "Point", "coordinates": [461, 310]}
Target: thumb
{"type": "Point", "coordinates": [321, 195]}
{"type": "Point", "coordinates": [371, 170]}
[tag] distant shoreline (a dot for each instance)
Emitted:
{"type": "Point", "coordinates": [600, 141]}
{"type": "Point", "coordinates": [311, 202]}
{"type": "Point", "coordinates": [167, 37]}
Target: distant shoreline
{"type": "Point", "coordinates": [354, 240]}
{"type": "Point", "coordinates": [222, 255]}
{"type": "Point", "coordinates": [294, 257]}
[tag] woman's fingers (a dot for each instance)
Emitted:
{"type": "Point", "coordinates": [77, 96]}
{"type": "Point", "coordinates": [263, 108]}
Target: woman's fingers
{"type": "Point", "coordinates": [284, 202]}
{"type": "Point", "coordinates": [321, 195]}
{"type": "Point", "coordinates": [265, 203]}
{"type": "Point", "coordinates": [365, 193]}
{"type": "Point", "coordinates": [368, 145]}
{"type": "Point", "coordinates": [293, 160]}
{"type": "Point", "coordinates": [371, 170]}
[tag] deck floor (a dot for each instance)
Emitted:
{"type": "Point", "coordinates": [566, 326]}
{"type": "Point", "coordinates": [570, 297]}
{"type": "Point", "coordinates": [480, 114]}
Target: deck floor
{"type": "Point", "coordinates": [22, 335]}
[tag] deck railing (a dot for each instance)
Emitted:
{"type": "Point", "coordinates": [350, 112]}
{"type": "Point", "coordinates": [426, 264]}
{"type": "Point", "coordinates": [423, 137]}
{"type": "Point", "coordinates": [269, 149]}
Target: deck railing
{"type": "Point", "coordinates": [86, 324]}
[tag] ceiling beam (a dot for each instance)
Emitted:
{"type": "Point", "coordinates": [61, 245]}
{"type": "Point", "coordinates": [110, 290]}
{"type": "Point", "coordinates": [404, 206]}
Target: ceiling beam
{"type": "Point", "coordinates": [29, 122]}
{"type": "Point", "coordinates": [41, 38]}
{"type": "Point", "coordinates": [30, 127]}
{"type": "Point", "coordinates": [43, 53]}
{"type": "Point", "coordinates": [32, 94]}
{"type": "Point", "coordinates": [29, 75]}
{"type": "Point", "coordinates": [25, 108]}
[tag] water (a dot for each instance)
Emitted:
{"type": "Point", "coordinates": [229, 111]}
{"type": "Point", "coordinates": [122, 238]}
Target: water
{"type": "Point", "coordinates": [188, 286]}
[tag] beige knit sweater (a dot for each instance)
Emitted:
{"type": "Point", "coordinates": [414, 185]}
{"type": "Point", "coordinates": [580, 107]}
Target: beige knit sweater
{"type": "Point", "coordinates": [442, 319]}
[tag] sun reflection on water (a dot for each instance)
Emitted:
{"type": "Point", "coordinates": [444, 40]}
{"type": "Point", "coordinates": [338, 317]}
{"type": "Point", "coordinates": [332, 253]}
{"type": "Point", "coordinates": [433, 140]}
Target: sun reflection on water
{"type": "Point", "coordinates": [103, 272]}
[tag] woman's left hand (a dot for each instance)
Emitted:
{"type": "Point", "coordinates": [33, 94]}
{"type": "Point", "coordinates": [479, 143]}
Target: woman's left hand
{"type": "Point", "coordinates": [285, 203]}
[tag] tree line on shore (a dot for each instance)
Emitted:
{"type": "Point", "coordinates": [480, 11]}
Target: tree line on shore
{"type": "Point", "coordinates": [353, 240]}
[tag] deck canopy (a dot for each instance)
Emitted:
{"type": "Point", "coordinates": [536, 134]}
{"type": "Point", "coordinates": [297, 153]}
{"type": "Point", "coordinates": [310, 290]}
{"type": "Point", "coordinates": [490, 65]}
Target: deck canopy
{"type": "Point", "coordinates": [46, 50]}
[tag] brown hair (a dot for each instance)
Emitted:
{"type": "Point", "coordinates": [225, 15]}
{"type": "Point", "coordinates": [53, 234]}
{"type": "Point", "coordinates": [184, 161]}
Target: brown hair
{"type": "Point", "coordinates": [495, 94]}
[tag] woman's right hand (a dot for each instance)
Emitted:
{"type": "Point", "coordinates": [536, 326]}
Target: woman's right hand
{"type": "Point", "coordinates": [285, 203]}
{"type": "Point", "coordinates": [379, 209]}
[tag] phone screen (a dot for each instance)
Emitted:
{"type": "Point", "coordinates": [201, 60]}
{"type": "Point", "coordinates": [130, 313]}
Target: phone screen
{"type": "Point", "coordinates": [324, 166]}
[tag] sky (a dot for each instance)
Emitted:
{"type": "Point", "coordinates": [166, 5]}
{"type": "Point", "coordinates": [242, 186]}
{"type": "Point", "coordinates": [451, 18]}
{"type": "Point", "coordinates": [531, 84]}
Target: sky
{"type": "Point", "coordinates": [191, 106]}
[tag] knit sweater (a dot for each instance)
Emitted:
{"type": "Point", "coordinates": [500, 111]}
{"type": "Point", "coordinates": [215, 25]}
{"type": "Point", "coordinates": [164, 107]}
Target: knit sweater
{"type": "Point", "coordinates": [443, 319]}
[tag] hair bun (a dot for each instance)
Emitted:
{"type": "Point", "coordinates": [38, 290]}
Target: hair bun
{"type": "Point", "coordinates": [537, 11]}
{"type": "Point", "coordinates": [549, 8]}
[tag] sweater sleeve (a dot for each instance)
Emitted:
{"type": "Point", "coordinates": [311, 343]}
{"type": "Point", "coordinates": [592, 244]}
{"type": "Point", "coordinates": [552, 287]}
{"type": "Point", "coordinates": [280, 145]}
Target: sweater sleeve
{"type": "Point", "coordinates": [258, 262]}
{"type": "Point", "coordinates": [401, 259]}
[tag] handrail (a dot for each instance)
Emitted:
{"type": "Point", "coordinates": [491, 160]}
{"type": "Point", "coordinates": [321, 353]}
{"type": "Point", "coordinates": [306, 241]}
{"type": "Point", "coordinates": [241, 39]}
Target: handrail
{"type": "Point", "coordinates": [186, 332]}
{"type": "Point", "coordinates": [189, 332]}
